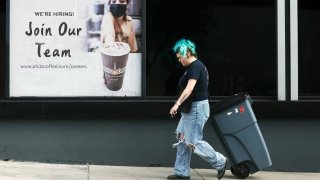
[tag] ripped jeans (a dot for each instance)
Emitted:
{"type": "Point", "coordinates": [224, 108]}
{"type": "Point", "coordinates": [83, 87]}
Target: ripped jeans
{"type": "Point", "coordinates": [190, 134]}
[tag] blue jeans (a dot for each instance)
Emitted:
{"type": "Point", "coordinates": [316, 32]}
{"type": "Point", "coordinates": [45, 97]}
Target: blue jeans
{"type": "Point", "coordinates": [190, 134]}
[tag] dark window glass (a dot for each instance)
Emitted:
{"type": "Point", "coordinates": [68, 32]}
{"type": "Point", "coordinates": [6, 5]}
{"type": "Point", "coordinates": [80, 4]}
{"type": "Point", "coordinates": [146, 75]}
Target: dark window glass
{"type": "Point", "coordinates": [309, 47]}
{"type": "Point", "coordinates": [235, 39]}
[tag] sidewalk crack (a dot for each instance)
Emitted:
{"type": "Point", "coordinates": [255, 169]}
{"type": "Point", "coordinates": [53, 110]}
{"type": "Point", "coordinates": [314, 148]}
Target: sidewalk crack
{"type": "Point", "coordinates": [199, 174]}
{"type": "Point", "coordinates": [88, 171]}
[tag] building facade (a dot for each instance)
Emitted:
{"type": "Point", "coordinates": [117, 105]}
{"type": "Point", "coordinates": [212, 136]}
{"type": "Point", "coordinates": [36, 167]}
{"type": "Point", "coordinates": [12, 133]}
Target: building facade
{"type": "Point", "coordinates": [268, 48]}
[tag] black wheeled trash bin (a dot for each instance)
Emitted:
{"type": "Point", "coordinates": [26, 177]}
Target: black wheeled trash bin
{"type": "Point", "coordinates": [237, 127]}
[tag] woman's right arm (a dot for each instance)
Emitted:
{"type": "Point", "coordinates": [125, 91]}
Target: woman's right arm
{"type": "Point", "coordinates": [184, 95]}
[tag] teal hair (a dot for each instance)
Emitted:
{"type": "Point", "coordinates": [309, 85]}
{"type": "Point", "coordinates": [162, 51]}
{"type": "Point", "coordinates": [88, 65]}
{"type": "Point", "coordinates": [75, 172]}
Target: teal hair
{"type": "Point", "coordinates": [183, 46]}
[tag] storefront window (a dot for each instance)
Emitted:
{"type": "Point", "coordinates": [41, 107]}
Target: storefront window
{"type": "Point", "coordinates": [235, 39]}
{"type": "Point", "coordinates": [309, 48]}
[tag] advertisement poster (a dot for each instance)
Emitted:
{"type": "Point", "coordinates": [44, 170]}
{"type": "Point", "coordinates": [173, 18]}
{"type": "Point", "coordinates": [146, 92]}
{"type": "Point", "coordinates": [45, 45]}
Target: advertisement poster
{"type": "Point", "coordinates": [75, 48]}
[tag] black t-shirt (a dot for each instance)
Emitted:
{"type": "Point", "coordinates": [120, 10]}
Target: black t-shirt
{"type": "Point", "coordinates": [198, 71]}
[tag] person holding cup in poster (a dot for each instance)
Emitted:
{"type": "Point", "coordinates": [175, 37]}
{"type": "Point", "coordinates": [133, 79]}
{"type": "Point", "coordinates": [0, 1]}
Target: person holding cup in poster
{"type": "Point", "coordinates": [118, 40]}
{"type": "Point", "coordinates": [117, 26]}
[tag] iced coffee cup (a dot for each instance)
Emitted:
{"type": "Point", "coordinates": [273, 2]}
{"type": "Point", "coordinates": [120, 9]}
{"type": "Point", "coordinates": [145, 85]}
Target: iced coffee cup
{"type": "Point", "coordinates": [114, 59]}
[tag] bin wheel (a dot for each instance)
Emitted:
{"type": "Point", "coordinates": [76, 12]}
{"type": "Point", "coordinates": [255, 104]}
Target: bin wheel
{"type": "Point", "coordinates": [241, 171]}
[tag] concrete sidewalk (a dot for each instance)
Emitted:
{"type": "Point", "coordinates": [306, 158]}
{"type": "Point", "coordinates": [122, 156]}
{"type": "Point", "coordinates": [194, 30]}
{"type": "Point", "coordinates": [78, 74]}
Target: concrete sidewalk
{"type": "Point", "coordinates": [41, 171]}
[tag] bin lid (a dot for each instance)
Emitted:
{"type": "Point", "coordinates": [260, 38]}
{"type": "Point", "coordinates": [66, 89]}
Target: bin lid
{"type": "Point", "coordinates": [230, 101]}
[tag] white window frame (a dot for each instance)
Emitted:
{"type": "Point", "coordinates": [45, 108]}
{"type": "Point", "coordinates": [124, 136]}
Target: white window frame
{"type": "Point", "coordinates": [281, 29]}
{"type": "Point", "coordinates": [294, 50]}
